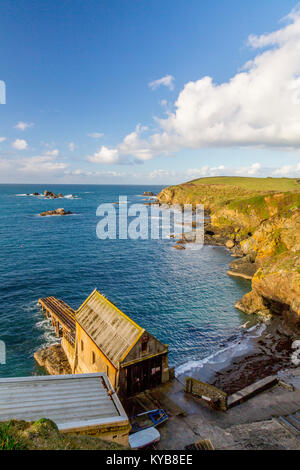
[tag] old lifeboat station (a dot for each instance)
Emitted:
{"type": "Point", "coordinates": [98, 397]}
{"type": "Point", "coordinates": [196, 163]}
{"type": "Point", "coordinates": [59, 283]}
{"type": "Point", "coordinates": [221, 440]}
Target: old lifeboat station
{"type": "Point", "coordinates": [99, 337]}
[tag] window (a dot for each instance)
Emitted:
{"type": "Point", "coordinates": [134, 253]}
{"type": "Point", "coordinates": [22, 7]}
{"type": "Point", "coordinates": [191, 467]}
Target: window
{"type": "Point", "coordinates": [93, 357]}
{"type": "Point", "coordinates": [81, 345]}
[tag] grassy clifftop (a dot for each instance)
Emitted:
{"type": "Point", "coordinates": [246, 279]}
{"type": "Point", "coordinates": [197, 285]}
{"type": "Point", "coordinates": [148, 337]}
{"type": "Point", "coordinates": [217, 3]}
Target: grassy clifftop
{"type": "Point", "coordinates": [224, 190]}
{"type": "Point", "coordinates": [235, 201]}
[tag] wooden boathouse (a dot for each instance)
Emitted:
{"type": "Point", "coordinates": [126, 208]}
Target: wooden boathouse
{"type": "Point", "coordinates": [99, 337]}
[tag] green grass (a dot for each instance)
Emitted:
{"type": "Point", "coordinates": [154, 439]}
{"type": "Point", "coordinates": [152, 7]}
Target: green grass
{"type": "Point", "coordinates": [44, 435]}
{"type": "Point", "coordinates": [253, 184]}
{"type": "Point", "coordinates": [8, 440]}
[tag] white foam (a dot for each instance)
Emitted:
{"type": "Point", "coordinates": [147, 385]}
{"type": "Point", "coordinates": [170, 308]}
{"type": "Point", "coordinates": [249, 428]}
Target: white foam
{"type": "Point", "coordinates": [220, 357]}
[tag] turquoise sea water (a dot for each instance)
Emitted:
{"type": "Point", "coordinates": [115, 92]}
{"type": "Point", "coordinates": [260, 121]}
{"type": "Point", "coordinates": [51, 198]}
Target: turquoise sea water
{"type": "Point", "coordinates": [185, 298]}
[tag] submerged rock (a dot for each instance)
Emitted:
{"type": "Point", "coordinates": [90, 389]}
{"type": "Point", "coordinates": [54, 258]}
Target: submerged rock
{"type": "Point", "coordinates": [179, 247]}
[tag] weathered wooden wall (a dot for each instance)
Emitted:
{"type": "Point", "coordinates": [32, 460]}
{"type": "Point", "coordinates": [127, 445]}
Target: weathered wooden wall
{"type": "Point", "coordinates": [153, 347]}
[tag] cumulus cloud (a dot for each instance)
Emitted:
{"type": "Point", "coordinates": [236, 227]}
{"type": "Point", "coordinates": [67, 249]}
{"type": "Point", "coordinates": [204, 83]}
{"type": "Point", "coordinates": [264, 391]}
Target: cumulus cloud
{"type": "Point", "coordinates": [251, 170]}
{"type": "Point", "coordinates": [2, 139]}
{"type": "Point", "coordinates": [22, 126]}
{"type": "Point", "coordinates": [20, 144]}
{"type": "Point", "coordinates": [105, 155]}
{"type": "Point", "coordinates": [167, 81]}
{"type": "Point", "coordinates": [133, 144]}
{"type": "Point", "coordinates": [258, 107]}
{"type": "Point", "coordinates": [95, 135]}
{"type": "Point", "coordinates": [288, 170]}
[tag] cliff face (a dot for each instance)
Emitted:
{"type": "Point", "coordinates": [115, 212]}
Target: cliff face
{"type": "Point", "coordinates": [265, 232]}
{"type": "Point", "coordinates": [275, 288]}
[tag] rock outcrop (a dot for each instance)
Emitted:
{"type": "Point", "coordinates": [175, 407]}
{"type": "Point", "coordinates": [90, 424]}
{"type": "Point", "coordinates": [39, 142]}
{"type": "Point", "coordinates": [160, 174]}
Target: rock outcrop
{"type": "Point", "coordinates": [53, 359]}
{"type": "Point", "coordinates": [51, 195]}
{"type": "Point", "coordinates": [60, 211]}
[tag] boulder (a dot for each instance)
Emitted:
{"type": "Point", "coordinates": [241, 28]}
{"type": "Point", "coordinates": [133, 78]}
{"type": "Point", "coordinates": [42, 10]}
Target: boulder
{"type": "Point", "coordinates": [149, 193]}
{"type": "Point", "coordinates": [229, 244]}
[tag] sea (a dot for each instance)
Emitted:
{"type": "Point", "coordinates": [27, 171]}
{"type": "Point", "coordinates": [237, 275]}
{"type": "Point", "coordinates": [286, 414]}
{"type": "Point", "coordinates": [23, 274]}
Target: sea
{"type": "Point", "coordinates": [184, 298]}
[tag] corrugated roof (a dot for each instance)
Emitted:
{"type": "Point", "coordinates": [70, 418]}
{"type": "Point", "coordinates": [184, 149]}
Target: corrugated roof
{"type": "Point", "coordinates": [73, 402]}
{"type": "Point", "coordinates": [110, 329]}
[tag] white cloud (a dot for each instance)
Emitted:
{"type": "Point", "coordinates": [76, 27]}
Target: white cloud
{"type": "Point", "coordinates": [20, 144]}
{"type": "Point", "coordinates": [167, 81]}
{"type": "Point", "coordinates": [5, 164]}
{"type": "Point", "coordinates": [71, 146]}
{"type": "Point", "coordinates": [22, 126]}
{"type": "Point", "coordinates": [251, 170]}
{"type": "Point", "coordinates": [81, 172]}
{"type": "Point", "coordinates": [161, 174]}
{"type": "Point", "coordinates": [41, 164]}
{"type": "Point", "coordinates": [95, 135]}
{"type": "Point", "coordinates": [132, 145]}
{"type": "Point", "coordinates": [205, 170]}
{"type": "Point", "coordinates": [288, 170]}
{"type": "Point", "coordinates": [52, 153]}
{"type": "Point", "coordinates": [2, 139]}
{"type": "Point", "coordinates": [258, 107]}
{"type": "Point", "coordinates": [105, 155]}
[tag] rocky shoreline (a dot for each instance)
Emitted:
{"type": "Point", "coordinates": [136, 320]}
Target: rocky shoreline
{"type": "Point", "coordinates": [271, 353]}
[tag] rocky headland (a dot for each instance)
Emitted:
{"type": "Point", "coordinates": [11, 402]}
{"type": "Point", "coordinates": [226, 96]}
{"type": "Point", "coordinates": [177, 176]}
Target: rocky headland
{"type": "Point", "coordinates": [258, 221]}
{"type": "Point", "coordinates": [261, 228]}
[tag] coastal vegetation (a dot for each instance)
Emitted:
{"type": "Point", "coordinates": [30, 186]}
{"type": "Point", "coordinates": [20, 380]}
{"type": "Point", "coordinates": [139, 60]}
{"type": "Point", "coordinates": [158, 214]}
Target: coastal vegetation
{"type": "Point", "coordinates": [258, 219]}
{"type": "Point", "coordinates": [44, 435]}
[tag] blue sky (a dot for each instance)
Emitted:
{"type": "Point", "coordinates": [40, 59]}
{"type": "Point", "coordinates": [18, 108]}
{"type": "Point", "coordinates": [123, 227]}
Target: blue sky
{"type": "Point", "coordinates": [97, 90]}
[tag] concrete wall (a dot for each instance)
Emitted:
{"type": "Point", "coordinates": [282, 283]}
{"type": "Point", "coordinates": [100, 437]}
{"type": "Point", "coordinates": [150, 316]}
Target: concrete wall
{"type": "Point", "coordinates": [210, 394]}
{"type": "Point", "coordinates": [118, 433]}
{"type": "Point", "coordinates": [84, 362]}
